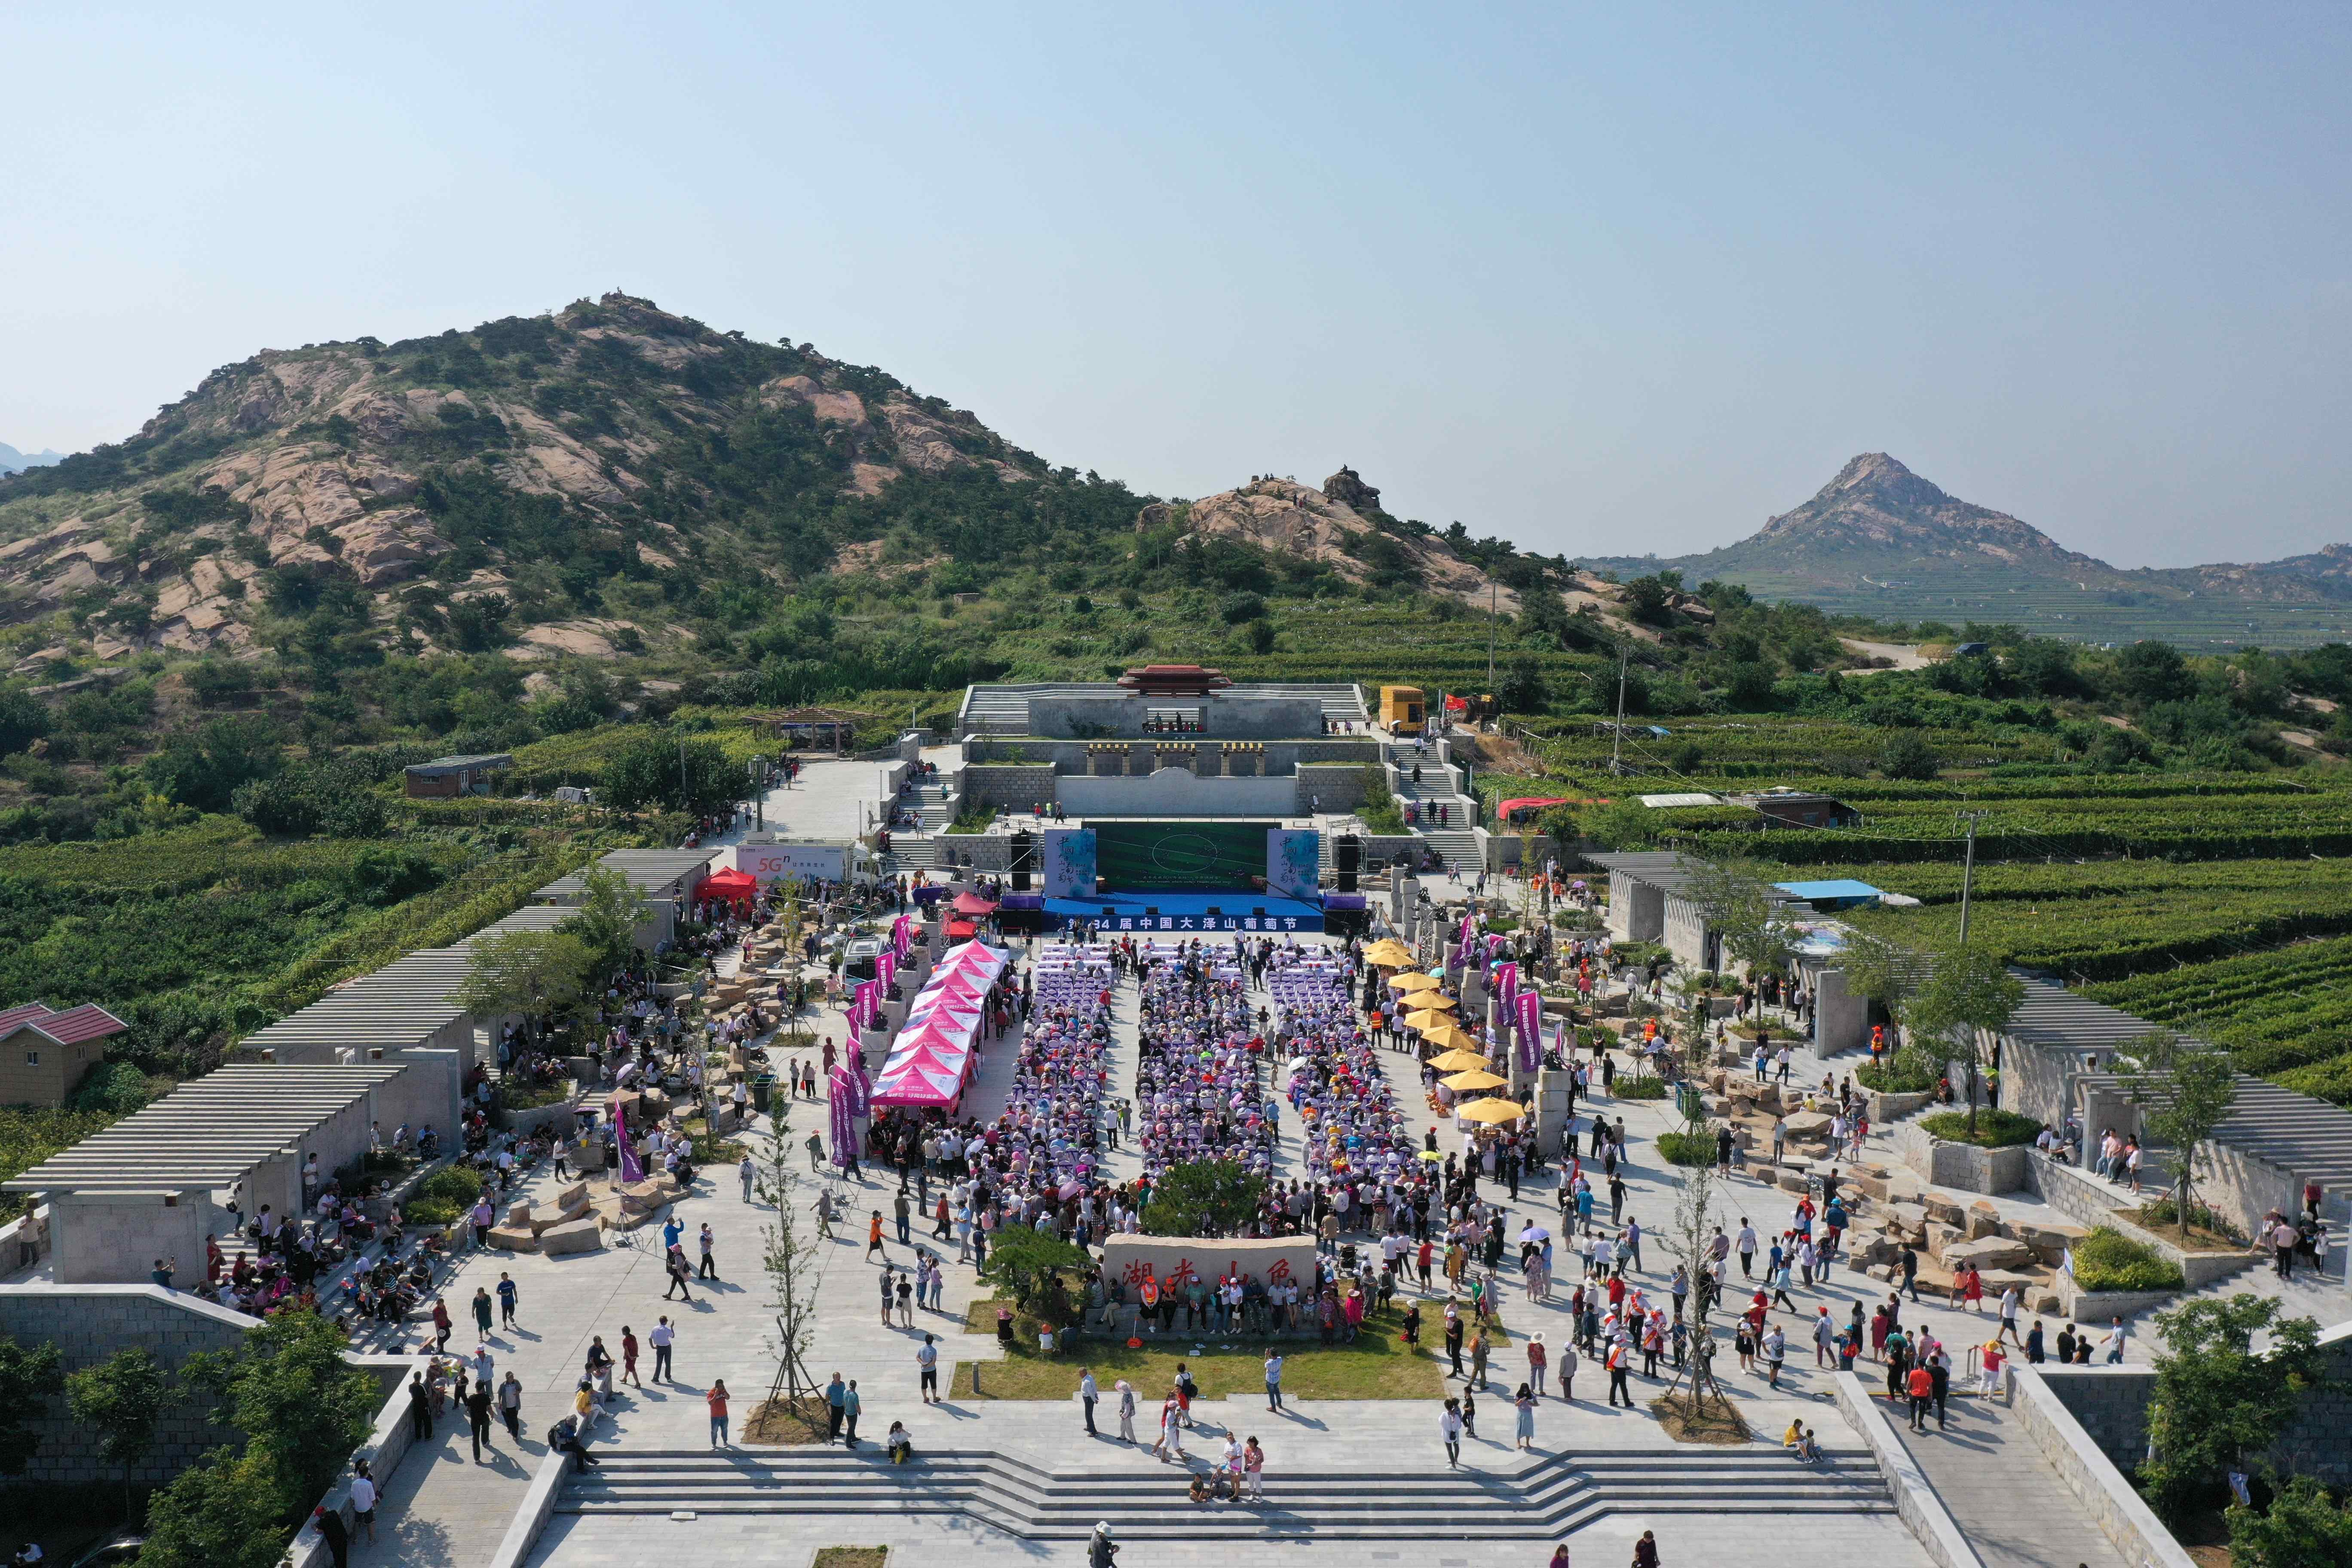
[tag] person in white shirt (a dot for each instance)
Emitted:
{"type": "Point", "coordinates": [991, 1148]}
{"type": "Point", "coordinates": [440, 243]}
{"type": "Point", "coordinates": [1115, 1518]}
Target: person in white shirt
{"type": "Point", "coordinates": [364, 1501]}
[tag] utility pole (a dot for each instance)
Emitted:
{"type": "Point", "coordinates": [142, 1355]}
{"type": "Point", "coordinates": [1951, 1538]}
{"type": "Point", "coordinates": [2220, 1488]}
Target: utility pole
{"type": "Point", "coordinates": [1967, 868]}
{"type": "Point", "coordinates": [1617, 738]}
{"type": "Point", "coordinates": [684, 801]}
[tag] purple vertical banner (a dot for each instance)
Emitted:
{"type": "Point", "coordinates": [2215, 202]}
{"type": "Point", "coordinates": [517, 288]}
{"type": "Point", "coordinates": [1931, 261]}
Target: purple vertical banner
{"type": "Point", "coordinates": [861, 1087]}
{"type": "Point", "coordinates": [886, 968]}
{"type": "Point", "coordinates": [869, 1003]}
{"type": "Point", "coordinates": [1530, 1006]}
{"type": "Point", "coordinates": [632, 1170]}
{"type": "Point", "coordinates": [1506, 981]}
{"type": "Point", "coordinates": [845, 1131]}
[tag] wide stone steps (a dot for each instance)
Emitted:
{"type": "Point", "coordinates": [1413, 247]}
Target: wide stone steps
{"type": "Point", "coordinates": [1546, 1498]}
{"type": "Point", "coordinates": [1457, 846]}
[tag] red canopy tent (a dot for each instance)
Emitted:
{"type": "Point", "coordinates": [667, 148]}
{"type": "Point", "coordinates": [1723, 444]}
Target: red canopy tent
{"type": "Point", "coordinates": [738, 888]}
{"type": "Point", "coordinates": [973, 904]}
{"type": "Point", "coordinates": [959, 929]}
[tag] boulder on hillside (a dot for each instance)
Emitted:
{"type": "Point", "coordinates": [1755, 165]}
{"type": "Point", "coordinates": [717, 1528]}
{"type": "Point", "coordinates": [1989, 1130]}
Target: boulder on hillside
{"type": "Point", "coordinates": [1348, 488]}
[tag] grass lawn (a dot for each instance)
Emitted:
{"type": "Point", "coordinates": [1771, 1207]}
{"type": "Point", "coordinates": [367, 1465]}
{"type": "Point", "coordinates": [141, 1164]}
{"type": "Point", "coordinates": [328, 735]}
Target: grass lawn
{"type": "Point", "coordinates": [1379, 1365]}
{"type": "Point", "coordinates": [851, 1557]}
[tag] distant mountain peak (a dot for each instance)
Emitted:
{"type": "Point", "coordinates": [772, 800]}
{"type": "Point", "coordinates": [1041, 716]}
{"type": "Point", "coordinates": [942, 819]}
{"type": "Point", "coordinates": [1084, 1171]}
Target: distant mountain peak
{"type": "Point", "coordinates": [1876, 504]}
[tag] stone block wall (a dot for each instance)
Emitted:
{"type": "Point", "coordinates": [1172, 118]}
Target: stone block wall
{"type": "Point", "coordinates": [1962, 1165]}
{"type": "Point", "coordinates": [2087, 1471]}
{"type": "Point", "coordinates": [91, 1322]}
{"type": "Point", "coordinates": [1014, 785]}
{"type": "Point", "coordinates": [1340, 786]}
{"type": "Point", "coordinates": [2111, 1403]}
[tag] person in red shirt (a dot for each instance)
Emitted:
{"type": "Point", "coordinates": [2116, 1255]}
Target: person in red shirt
{"type": "Point", "coordinates": [717, 1400]}
{"type": "Point", "coordinates": [1922, 1387]}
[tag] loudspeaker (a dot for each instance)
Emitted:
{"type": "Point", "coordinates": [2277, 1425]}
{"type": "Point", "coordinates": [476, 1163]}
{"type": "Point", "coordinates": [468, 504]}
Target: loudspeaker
{"type": "Point", "coordinates": [1024, 853]}
{"type": "Point", "coordinates": [1351, 851]}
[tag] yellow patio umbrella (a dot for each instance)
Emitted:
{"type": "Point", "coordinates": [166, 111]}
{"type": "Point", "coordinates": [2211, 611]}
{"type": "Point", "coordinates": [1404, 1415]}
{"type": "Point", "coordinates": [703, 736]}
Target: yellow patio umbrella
{"type": "Point", "coordinates": [1389, 954]}
{"type": "Point", "coordinates": [1496, 1111]}
{"type": "Point", "coordinates": [1411, 982]}
{"type": "Point", "coordinates": [1459, 1061]}
{"type": "Point", "coordinates": [1446, 1038]}
{"type": "Point", "coordinates": [1476, 1079]}
{"type": "Point", "coordinates": [1437, 1001]}
{"type": "Point", "coordinates": [1426, 1021]}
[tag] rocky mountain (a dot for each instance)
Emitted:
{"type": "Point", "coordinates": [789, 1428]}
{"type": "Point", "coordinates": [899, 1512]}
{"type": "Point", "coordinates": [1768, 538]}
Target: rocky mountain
{"type": "Point", "coordinates": [594, 470]}
{"type": "Point", "coordinates": [1340, 526]}
{"type": "Point", "coordinates": [1880, 540]}
{"type": "Point", "coordinates": [12, 461]}
{"type": "Point", "coordinates": [606, 478]}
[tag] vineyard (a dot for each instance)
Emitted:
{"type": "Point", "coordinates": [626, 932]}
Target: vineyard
{"type": "Point", "coordinates": [2217, 902]}
{"type": "Point", "coordinates": [2285, 1014]}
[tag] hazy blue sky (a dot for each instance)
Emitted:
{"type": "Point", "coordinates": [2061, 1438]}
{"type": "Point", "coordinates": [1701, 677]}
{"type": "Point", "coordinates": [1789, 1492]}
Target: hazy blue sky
{"type": "Point", "coordinates": [1604, 279]}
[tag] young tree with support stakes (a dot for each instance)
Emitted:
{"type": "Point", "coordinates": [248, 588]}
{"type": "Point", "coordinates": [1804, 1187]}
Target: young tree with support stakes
{"type": "Point", "coordinates": [2184, 1089]}
{"type": "Point", "coordinates": [791, 1268]}
{"type": "Point", "coordinates": [1688, 1240]}
{"type": "Point", "coordinates": [1969, 998]}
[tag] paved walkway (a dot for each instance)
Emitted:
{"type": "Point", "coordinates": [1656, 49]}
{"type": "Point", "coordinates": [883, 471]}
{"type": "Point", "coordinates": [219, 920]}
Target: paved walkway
{"type": "Point", "coordinates": [2003, 1493]}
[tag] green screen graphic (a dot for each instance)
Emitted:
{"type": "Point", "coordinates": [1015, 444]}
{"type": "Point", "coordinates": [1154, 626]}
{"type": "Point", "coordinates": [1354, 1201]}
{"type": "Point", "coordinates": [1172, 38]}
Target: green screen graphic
{"type": "Point", "coordinates": [1224, 855]}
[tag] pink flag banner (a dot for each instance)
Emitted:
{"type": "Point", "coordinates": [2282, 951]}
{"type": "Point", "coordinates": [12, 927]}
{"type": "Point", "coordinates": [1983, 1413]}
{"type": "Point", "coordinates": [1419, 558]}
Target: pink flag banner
{"type": "Point", "coordinates": [1530, 1007]}
{"type": "Point", "coordinates": [1506, 981]}
{"type": "Point", "coordinates": [886, 968]}
{"type": "Point", "coordinates": [632, 1170]}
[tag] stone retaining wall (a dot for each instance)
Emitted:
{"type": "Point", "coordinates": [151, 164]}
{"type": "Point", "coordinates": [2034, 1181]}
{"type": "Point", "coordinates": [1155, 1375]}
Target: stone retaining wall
{"type": "Point", "coordinates": [91, 1323]}
{"type": "Point", "coordinates": [2090, 1474]}
{"type": "Point", "coordinates": [2111, 1403]}
{"type": "Point", "coordinates": [1961, 1166]}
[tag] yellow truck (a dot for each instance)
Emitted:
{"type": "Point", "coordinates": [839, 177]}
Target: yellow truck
{"type": "Point", "coordinates": [1402, 712]}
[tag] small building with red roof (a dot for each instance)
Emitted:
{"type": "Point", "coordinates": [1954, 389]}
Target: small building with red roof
{"type": "Point", "coordinates": [44, 1052]}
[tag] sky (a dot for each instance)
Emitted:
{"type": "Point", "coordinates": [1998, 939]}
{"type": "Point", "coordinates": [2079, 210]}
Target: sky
{"type": "Point", "coordinates": [1602, 281]}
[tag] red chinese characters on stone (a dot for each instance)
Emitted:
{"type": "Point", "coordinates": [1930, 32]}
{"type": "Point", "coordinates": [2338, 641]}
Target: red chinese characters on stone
{"type": "Point", "coordinates": [1278, 1271]}
{"type": "Point", "coordinates": [1137, 1271]}
{"type": "Point", "coordinates": [1183, 1273]}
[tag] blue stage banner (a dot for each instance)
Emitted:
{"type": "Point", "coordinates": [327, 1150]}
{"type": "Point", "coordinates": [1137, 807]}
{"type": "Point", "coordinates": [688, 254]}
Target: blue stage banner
{"type": "Point", "coordinates": [1294, 862]}
{"type": "Point", "coordinates": [1069, 862]}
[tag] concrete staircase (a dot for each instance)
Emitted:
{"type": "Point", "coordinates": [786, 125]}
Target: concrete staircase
{"type": "Point", "coordinates": [937, 810]}
{"type": "Point", "coordinates": [1543, 1501]}
{"type": "Point", "coordinates": [913, 852]}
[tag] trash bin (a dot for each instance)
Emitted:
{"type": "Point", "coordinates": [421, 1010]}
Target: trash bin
{"type": "Point", "coordinates": [762, 1088]}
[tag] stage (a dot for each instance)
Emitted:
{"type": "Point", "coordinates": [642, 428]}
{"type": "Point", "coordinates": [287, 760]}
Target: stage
{"type": "Point", "coordinates": [1175, 910]}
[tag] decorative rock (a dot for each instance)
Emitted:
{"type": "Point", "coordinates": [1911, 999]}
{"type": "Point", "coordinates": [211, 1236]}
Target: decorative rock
{"type": "Point", "coordinates": [1808, 1127]}
{"type": "Point", "coordinates": [1982, 1220]}
{"type": "Point", "coordinates": [572, 1237]}
{"type": "Point", "coordinates": [519, 1215]}
{"type": "Point", "coordinates": [1942, 1238]}
{"type": "Point", "coordinates": [1988, 1252]}
{"type": "Point", "coordinates": [574, 1197]}
{"type": "Point", "coordinates": [514, 1238]}
{"type": "Point", "coordinates": [1941, 1208]}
